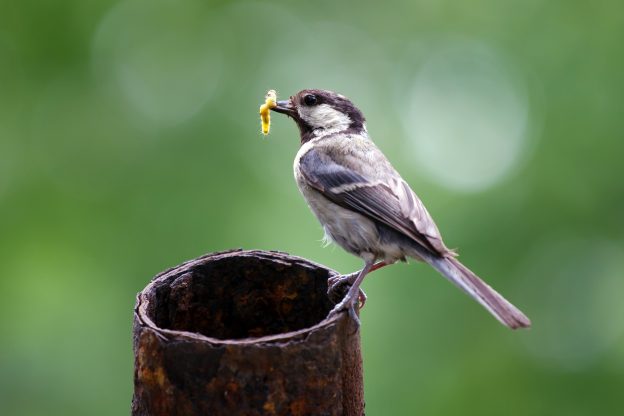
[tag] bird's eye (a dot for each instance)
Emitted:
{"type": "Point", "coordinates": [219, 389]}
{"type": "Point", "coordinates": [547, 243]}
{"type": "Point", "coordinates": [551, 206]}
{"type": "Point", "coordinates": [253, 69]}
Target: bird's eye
{"type": "Point", "coordinates": [309, 99]}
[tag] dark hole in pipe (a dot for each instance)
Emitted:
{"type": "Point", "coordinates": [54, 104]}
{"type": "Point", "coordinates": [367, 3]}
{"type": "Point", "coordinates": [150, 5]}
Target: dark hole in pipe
{"type": "Point", "coordinates": [242, 297]}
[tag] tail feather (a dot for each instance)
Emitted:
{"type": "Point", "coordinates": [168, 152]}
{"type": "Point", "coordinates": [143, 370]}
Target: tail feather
{"type": "Point", "coordinates": [476, 288]}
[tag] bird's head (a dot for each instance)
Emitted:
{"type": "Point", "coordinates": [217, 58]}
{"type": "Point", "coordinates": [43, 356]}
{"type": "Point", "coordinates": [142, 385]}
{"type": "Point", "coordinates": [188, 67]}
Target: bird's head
{"type": "Point", "coordinates": [321, 112]}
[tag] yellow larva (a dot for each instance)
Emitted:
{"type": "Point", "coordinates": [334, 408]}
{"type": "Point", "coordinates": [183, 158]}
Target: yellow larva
{"type": "Point", "coordinates": [265, 109]}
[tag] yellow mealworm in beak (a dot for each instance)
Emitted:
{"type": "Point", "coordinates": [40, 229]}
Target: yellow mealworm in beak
{"type": "Point", "coordinates": [265, 109]}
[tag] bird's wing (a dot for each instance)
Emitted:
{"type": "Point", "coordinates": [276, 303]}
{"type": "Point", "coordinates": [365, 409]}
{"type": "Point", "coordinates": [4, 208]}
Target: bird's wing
{"type": "Point", "coordinates": [389, 201]}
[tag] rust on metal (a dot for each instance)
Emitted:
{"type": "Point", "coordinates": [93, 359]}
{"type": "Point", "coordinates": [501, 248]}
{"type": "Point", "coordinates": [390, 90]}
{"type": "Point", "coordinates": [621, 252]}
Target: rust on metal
{"type": "Point", "coordinates": [244, 333]}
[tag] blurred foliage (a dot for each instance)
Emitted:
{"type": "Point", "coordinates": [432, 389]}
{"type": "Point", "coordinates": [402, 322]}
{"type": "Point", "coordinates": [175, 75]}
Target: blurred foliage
{"type": "Point", "coordinates": [129, 142]}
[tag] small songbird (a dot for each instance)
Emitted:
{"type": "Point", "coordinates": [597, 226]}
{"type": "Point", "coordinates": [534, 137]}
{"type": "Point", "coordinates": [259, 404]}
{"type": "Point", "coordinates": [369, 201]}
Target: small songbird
{"type": "Point", "coordinates": [366, 207]}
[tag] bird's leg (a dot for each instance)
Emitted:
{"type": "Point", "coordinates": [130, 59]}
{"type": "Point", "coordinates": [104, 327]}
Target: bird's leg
{"type": "Point", "coordinates": [349, 301]}
{"type": "Point", "coordinates": [336, 282]}
{"type": "Point", "coordinates": [379, 265]}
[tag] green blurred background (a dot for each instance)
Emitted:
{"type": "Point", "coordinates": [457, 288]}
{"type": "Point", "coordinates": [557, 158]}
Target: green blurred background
{"type": "Point", "coordinates": [129, 142]}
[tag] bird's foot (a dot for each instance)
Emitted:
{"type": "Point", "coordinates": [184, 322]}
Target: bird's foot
{"type": "Point", "coordinates": [350, 303]}
{"type": "Point", "coordinates": [338, 285]}
{"type": "Point", "coordinates": [354, 295]}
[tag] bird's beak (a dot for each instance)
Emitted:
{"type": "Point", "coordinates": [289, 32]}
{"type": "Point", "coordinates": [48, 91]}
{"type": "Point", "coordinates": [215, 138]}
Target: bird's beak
{"type": "Point", "coordinates": [285, 107]}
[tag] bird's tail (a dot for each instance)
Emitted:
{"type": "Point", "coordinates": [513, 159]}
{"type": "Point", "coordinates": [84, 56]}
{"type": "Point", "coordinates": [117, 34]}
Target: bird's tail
{"type": "Point", "coordinates": [480, 291]}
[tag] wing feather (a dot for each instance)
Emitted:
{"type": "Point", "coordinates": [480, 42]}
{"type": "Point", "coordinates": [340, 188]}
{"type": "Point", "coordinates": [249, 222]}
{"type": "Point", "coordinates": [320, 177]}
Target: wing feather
{"type": "Point", "coordinates": [390, 202]}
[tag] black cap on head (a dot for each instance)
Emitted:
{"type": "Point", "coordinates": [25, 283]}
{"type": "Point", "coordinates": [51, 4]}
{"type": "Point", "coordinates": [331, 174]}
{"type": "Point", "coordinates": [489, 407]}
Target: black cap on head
{"type": "Point", "coordinates": [316, 111]}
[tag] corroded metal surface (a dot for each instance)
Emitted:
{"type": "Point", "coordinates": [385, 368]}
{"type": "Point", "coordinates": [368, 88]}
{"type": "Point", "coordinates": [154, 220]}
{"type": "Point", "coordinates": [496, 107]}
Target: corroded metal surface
{"type": "Point", "coordinates": [244, 333]}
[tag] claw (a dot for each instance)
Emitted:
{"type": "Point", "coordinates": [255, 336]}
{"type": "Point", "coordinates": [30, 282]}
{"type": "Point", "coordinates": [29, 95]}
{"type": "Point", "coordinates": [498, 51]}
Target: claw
{"type": "Point", "coordinates": [354, 296]}
{"type": "Point", "coordinates": [362, 299]}
{"type": "Point", "coordinates": [350, 306]}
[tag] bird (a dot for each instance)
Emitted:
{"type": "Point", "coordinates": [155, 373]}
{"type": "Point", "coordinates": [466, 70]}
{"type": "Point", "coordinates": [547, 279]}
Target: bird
{"type": "Point", "coordinates": [366, 207]}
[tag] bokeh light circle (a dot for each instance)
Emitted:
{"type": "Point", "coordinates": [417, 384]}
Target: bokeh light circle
{"type": "Point", "coordinates": [466, 116]}
{"type": "Point", "coordinates": [161, 57]}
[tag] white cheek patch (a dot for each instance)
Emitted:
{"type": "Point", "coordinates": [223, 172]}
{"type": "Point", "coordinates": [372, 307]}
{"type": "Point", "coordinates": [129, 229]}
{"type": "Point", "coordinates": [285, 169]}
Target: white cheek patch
{"type": "Point", "coordinates": [324, 116]}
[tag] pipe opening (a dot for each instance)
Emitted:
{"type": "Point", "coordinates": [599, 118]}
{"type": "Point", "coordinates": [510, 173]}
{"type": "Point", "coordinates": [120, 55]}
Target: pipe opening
{"type": "Point", "coordinates": [238, 296]}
